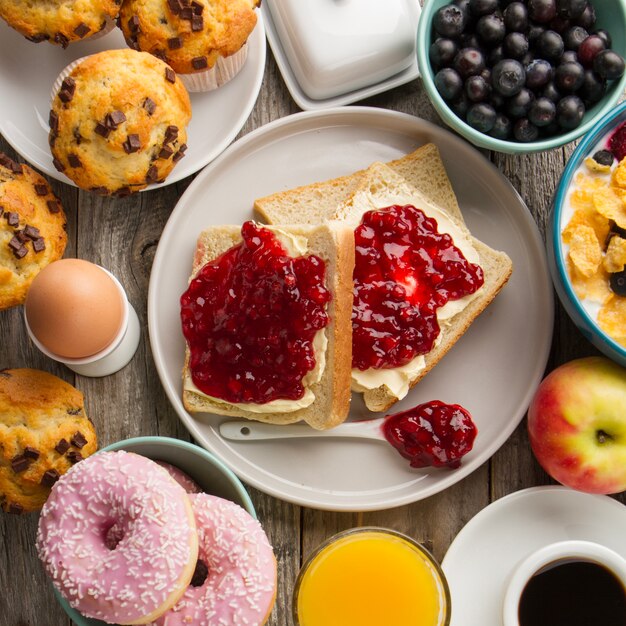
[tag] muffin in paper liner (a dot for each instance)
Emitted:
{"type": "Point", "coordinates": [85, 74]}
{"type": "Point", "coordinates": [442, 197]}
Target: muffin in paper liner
{"type": "Point", "coordinates": [126, 138]}
{"type": "Point", "coordinates": [58, 23]}
{"type": "Point", "coordinates": [224, 70]}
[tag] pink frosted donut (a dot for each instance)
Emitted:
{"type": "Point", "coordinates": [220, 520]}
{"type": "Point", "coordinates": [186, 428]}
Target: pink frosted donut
{"type": "Point", "coordinates": [236, 571]}
{"type": "Point", "coordinates": [150, 564]}
{"type": "Point", "coordinates": [182, 478]}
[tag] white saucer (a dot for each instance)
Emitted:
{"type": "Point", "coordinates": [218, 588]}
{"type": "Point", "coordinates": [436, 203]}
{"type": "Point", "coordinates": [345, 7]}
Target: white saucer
{"type": "Point", "coordinates": [484, 553]}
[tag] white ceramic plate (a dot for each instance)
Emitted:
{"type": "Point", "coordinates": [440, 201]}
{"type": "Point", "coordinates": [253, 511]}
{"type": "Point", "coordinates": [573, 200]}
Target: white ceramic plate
{"type": "Point", "coordinates": [492, 370]}
{"type": "Point", "coordinates": [484, 553]}
{"type": "Point", "coordinates": [28, 70]}
{"type": "Point", "coordinates": [306, 102]}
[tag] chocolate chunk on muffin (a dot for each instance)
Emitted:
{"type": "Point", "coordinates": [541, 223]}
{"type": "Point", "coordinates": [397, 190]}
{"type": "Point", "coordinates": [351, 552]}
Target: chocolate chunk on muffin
{"type": "Point", "coordinates": [60, 22]}
{"type": "Point", "coordinates": [203, 40]}
{"type": "Point", "coordinates": [43, 432]}
{"type": "Point", "coordinates": [32, 229]}
{"type": "Point", "coordinates": [118, 121]}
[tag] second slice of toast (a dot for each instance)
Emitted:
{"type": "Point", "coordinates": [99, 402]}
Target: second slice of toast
{"type": "Point", "coordinates": [380, 187]}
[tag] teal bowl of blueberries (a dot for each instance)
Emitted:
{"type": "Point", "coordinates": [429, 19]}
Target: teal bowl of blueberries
{"type": "Point", "coordinates": [522, 76]}
{"type": "Point", "coordinates": [587, 236]}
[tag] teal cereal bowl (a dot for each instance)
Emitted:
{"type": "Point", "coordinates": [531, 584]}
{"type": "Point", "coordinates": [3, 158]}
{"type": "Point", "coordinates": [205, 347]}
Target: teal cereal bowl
{"type": "Point", "coordinates": [610, 15]}
{"type": "Point", "coordinates": [206, 469]}
{"type": "Point", "coordinates": [580, 314]}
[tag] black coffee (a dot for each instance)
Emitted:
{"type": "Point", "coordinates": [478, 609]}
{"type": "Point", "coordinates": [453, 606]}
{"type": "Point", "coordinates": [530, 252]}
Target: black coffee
{"type": "Point", "coordinates": [573, 593]}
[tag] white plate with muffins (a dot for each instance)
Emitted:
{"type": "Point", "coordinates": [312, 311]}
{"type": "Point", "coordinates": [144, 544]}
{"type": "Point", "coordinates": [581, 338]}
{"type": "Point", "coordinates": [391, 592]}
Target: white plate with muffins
{"type": "Point", "coordinates": [28, 71]}
{"type": "Point", "coordinates": [492, 371]}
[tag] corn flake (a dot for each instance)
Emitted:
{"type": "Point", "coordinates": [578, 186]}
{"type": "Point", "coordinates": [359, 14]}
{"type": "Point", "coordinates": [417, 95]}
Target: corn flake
{"type": "Point", "coordinates": [619, 174]}
{"type": "Point", "coordinates": [612, 319]}
{"type": "Point", "coordinates": [595, 287]}
{"type": "Point", "coordinates": [585, 250]}
{"type": "Point", "coordinates": [609, 204]}
{"type": "Point", "coordinates": [615, 256]}
{"type": "Point", "coordinates": [594, 166]}
{"type": "Point", "coordinates": [587, 216]}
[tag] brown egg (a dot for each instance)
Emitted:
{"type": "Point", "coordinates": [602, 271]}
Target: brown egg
{"type": "Point", "coordinates": [74, 308]}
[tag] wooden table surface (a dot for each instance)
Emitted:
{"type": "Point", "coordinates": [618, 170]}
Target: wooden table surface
{"type": "Point", "coordinates": [122, 235]}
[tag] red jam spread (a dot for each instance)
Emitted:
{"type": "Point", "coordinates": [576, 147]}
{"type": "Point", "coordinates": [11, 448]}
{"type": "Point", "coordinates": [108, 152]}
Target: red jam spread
{"type": "Point", "coordinates": [405, 270]}
{"type": "Point", "coordinates": [431, 434]}
{"type": "Point", "coordinates": [249, 318]}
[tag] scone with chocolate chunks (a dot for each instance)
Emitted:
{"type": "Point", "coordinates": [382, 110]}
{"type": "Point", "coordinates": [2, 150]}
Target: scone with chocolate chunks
{"type": "Point", "coordinates": [193, 36]}
{"type": "Point", "coordinates": [119, 122]}
{"type": "Point", "coordinates": [32, 229]}
{"type": "Point", "coordinates": [43, 432]}
{"type": "Point", "coordinates": [61, 22]}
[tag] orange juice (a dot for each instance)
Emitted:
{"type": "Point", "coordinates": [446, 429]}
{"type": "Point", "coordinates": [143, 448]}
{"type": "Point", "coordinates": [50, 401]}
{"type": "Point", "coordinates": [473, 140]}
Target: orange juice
{"type": "Point", "coordinates": [371, 577]}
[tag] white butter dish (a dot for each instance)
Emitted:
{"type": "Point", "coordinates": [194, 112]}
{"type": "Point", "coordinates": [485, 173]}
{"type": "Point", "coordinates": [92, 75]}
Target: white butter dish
{"type": "Point", "coordinates": [334, 52]}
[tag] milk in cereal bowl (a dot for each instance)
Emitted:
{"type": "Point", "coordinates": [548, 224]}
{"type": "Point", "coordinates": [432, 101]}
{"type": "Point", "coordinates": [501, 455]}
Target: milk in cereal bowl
{"type": "Point", "coordinates": [587, 237]}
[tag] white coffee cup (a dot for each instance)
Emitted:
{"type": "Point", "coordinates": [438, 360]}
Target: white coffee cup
{"type": "Point", "coordinates": [554, 554]}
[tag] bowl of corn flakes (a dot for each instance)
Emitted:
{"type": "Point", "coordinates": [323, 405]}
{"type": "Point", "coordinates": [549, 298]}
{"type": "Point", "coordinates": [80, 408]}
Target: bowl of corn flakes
{"type": "Point", "coordinates": [587, 237]}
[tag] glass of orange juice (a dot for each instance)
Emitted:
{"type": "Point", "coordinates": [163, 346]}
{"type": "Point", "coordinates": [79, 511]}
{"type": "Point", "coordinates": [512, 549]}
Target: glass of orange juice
{"type": "Point", "coordinates": [371, 577]}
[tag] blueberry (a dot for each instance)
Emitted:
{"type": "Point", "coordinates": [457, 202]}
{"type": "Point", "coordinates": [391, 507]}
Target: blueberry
{"type": "Point", "coordinates": [495, 56]}
{"type": "Point", "coordinates": [589, 49]}
{"type": "Point", "coordinates": [559, 25]}
{"type": "Point", "coordinates": [550, 129]}
{"type": "Point", "coordinates": [569, 112]}
{"type": "Point", "coordinates": [603, 157]}
{"type": "Point", "coordinates": [542, 11]}
{"type": "Point", "coordinates": [518, 105]}
{"type": "Point", "coordinates": [550, 45]}
{"type": "Point", "coordinates": [569, 56]}
{"type": "Point", "coordinates": [551, 92]}
{"type": "Point", "coordinates": [534, 32]}
{"type": "Point", "coordinates": [497, 101]}
{"type": "Point", "coordinates": [538, 73]}
{"type": "Point", "coordinates": [508, 77]}
{"type": "Point", "coordinates": [460, 106]}
{"type": "Point", "coordinates": [469, 40]}
{"type": "Point", "coordinates": [571, 8]}
{"type": "Point", "coordinates": [608, 64]}
{"type": "Point", "coordinates": [516, 17]}
{"type": "Point", "coordinates": [588, 18]}
{"type": "Point", "coordinates": [593, 88]}
{"type": "Point", "coordinates": [483, 7]}
{"type": "Point", "coordinates": [618, 283]}
{"type": "Point", "coordinates": [568, 77]}
{"type": "Point", "coordinates": [573, 37]}
{"type": "Point", "coordinates": [604, 35]}
{"type": "Point", "coordinates": [481, 117]}
{"type": "Point", "coordinates": [502, 127]}
{"type": "Point", "coordinates": [469, 62]}
{"type": "Point", "coordinates": [442, 52]}
{"type": "Point", "coordinates": [490, 28]}
{"type": "Point", "coordinates": [448, 83]}
{"type": "Point", "coordinates": [449, 21]}
{"type": "Point", "coordinates": [542, 112]}
{"type": "Point", "coordinates": [515, 45]}
{"type": "Point", "coordinates": [525, 131]}
{"type": "Point", "coordinates": [477, 89]}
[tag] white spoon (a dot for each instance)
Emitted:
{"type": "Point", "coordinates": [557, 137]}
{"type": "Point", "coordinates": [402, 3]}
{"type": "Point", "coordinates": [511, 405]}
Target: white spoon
{"type": "Point", "coordinates": [254, 431]}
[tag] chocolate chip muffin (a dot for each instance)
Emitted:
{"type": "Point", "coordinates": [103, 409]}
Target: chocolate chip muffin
{"type": "Point", "coordinates": [43, 432]}
{"type": "Point", "coordinates": [118, 122]}
{"type": "Point", "coordinates": [32, 229]}
{"type": "Point", "coordinates": [200, 39]}
{"type": "Point", "coordinates": [60, 22]}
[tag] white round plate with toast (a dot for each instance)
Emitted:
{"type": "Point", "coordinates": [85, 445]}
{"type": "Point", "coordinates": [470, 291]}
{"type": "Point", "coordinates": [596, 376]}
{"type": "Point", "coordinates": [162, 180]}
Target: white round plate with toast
{"type": "Point", "coordinates": [492, 371]}
{"type": "Point", "coordinates": [28, 71]}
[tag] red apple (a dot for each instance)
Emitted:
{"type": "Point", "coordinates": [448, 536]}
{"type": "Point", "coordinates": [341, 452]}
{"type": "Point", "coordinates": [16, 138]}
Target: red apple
{"type": "Point", "coordinates": [577, 425]}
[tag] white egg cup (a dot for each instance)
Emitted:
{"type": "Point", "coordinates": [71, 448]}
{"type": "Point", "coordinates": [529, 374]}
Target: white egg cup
{"type": "Point", "coordinates": [559, 552]}
{"type": "Point", "coordinates": [112, 358]}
